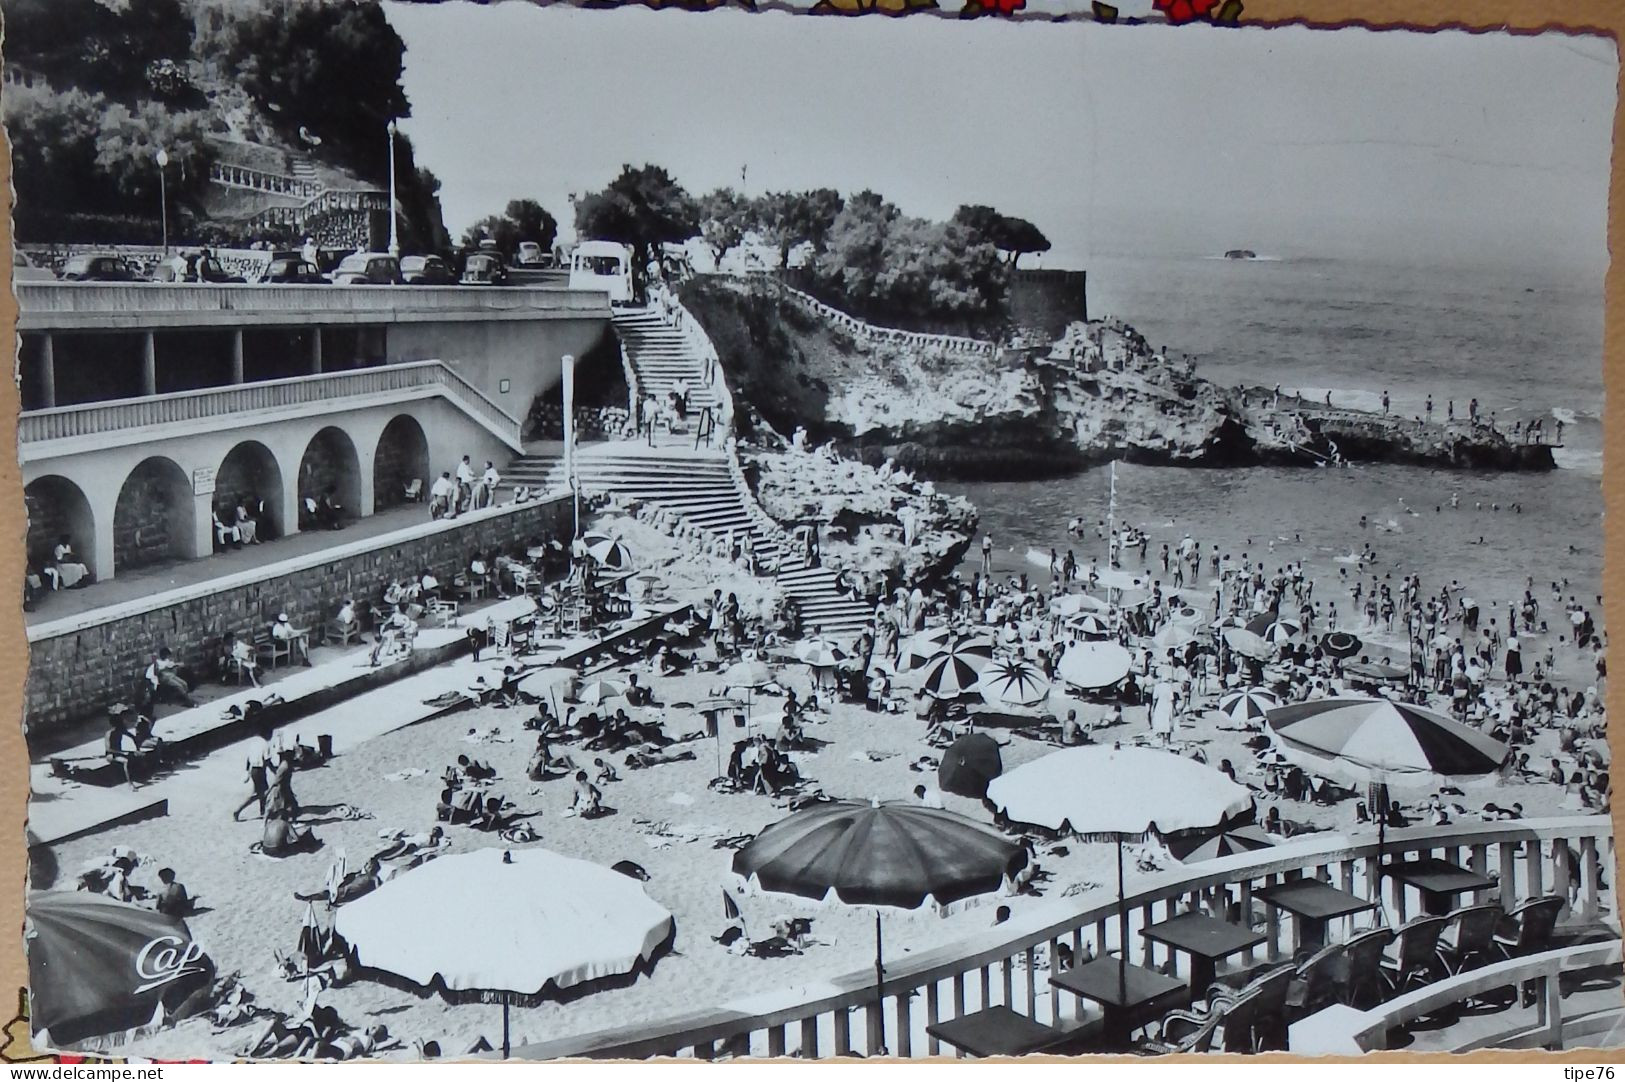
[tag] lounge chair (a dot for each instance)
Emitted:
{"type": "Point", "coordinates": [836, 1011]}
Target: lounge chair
{"type": "Point", "coordinates": [1316, 981]}
{"type": "Point", "coordinates": [1268, 997]}
{"type": "Point", "coordinates": [1239, 1023]}
{"type": "Point", "coordinates": [1413, 955]}
{"type": "Point", "coordinates": [1469, 937]}
{"type": "Point", "coordinates": [1362, 980]}
{"type": "Point", "coordinates": [1528, 926]}
{"type": "Point", "coordinates": [1185, 1031]}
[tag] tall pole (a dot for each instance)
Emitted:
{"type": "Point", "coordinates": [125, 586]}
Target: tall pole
{"type": "Point", "coordinates": [394, 236]}
{"type": "Point", "coordinates": [568, 383]}
{"type": "Point", "coordinates": [163, 195]}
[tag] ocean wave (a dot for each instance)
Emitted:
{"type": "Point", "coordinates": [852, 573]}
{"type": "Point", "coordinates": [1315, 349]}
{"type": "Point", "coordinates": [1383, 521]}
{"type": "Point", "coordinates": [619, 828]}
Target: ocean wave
{"type": "Point", "coordinates": [1570, 416]}
{"type": "Point", "coordinates": [1568, 458]}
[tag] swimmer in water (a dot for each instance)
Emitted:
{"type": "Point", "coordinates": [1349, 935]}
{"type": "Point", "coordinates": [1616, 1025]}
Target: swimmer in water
{"type": "Point", "coordinates": [1455, 500]}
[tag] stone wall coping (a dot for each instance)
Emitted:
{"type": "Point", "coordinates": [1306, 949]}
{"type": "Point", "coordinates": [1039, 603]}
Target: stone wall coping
{"type": "Point", "coordinates": [70, 625]}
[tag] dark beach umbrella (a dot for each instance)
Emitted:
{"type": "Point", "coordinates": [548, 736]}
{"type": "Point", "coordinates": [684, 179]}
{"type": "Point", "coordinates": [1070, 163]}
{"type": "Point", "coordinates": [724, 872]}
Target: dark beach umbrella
{"type": "Point", "coordinates": [1374, 740]}
{"type": "Point", "coordinates": [1223, 844]}
{"type": "Point", "coordinates": [1340, 644]}
{"type": "Point", "coordinates": [897, 855]}
{"type": "Point", "coordinates": [99, 967]}
{"type": "Point", "coordinates": [969, 764]}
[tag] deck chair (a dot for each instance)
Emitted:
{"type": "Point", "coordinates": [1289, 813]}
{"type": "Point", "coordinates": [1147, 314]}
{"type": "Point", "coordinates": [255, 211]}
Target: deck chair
{"type": "Point", "coordinates": [413, 492]}
{"type": "Point", "coordinates": [1412, 956]}
{"type": "Point", "coordinates": [1528, 926]}
{"type": "Point", "coordinates": [1469, 937]}
{"type": "Point", "coordinates": [1238, 1023]}
{"type": "Point", "coordinates": [1185, 1031]}
{"type": "Point", "coordinates": [1269, 995]}
{"type": "Point", "coordinates": [1316, 980]}
{"type": "Point", "coordinates": [1362, 978]}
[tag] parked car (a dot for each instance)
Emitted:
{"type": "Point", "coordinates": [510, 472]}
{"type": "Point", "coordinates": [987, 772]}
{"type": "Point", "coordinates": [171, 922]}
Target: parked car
{"type": "Point", "coordinates": [484, 269]}
{"type": "Point", "coordinates": [291, 270]}
{"type": "Point", "coordinates": [24, 269]}
{"type": "Point", "coordinates": [425, 270]}
{"type": "Point", "coordinates": [530, 254]}
{"type": "Point", "coordinates": [368, 269]}
{"type": "Point", "coordinates": [98, 268]}
{"type": "Point", "coordinates": [194, 267]}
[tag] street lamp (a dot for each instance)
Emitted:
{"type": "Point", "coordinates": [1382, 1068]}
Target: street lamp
{"type": "Point", "coordinates": [394, 237]}
{"type": "Point", "coordinates": [163, 196]}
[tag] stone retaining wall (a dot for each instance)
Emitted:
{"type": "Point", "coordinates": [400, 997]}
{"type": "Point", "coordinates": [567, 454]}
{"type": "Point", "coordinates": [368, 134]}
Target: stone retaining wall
{"type": "Point", "coordinates": [78, 673]}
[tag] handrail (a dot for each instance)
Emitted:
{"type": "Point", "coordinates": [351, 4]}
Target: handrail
{"type": "Point", "coordinates": [951, 343]}
{"type": "Point", "coordinates": [1371, 1030]}
{"type": "Point", "coordinates": [1154, 898]}
{"type": "Point", "coordinates": [123, 414]}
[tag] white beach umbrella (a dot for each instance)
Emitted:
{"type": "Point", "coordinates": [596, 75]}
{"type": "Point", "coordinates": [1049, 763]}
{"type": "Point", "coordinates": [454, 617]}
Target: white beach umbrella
{"type": "Point", "coordinates": [594, 692]}
{"type": "Point", "coordinates": [1071, 604]}
{"type": "Point", "coordinates": [1012, 683]}
{"type": "Point", "coordinates": [1093, 664]}
{"type": "Point", "coordinates": [1173, 637]}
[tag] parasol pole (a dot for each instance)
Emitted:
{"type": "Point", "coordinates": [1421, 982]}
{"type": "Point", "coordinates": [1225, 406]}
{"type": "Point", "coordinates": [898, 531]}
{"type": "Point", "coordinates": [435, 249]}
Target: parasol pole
{"type": "Point", "coordinates": [504, 1025]}
{"type": "Point", "coordinates": [1122, 928]}
{"type": "Point", "coordinates": [877, 1019]}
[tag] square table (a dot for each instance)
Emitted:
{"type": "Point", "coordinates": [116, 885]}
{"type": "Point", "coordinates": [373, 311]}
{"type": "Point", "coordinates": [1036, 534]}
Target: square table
{"type": "Point", "coordinates": [1125, 993]}
{"type": "Point", "coordinates": [1439, 881]}
{"type": "Point", "coordinates": [1312, 903]}
{"type": "Point", "coordinates": [1205, 939]}
{"type": "Point", "coordinates": [994, 1031]}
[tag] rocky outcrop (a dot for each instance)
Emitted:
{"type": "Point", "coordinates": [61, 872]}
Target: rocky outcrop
{"type": "Point", "coordinates": [1034, 411]}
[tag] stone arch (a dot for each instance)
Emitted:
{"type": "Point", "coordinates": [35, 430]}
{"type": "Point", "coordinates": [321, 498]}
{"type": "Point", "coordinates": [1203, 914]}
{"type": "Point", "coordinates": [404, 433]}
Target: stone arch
{"type": "Point", "coordinates": [402, 457]}
{"type": "Point", "coordinates": [58, 507]}
{"type": "Point", "coordinates": [154, 518]}
{"type": "Point", "coordinates": [250, 472]}
{"type": "Point", "coordinates": [330, 461]}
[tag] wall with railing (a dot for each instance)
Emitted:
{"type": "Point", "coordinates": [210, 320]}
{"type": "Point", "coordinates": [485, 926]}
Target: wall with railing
{"type": "Point", "coordinates": [162, 416]}
{"type": "Point", "coordinates": [47, 306]}
{"type": "Point", "coordinates": [1008, 964]}
{"type": "Point", "coordinates": [869, 332]}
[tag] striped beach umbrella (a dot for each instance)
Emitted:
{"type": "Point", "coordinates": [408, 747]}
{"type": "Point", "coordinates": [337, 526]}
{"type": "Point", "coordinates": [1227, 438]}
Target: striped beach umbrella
{"type": "Point", "coordinates": [1340, 644]}
{"type": "Point", "coordinates": [608, 552]}
{"type": "Point", "coordinates": [821, 654]}
{"type": "Point", "coordinates": [1374, 740]}
{"type": "Point", "coordinates": [1012, 683]}
{"type": "Point", "coordinates": [949, 675]}
{"type": "Point", "coordinates": [1226, 843]}
{"type": "Point", "coordinates": [922, 647]}
{"type": "Point", "coordinates": [1280, 631]}
{"type": "Point", "coordinates": [594, 692]}
{"type": "Point", "coordinates": [1248, 706]}
{"type": "Point", "coordinates": [1090, 626]}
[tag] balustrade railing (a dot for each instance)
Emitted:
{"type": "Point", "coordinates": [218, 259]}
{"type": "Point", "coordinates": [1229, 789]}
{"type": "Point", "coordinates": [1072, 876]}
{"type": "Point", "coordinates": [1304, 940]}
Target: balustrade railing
{"type": "Point", "coordinates": [124, 414]}
{"type": "Point", "coordinates": [947, 343]}
{"type": "Point", "coordinates": [1008, 965]}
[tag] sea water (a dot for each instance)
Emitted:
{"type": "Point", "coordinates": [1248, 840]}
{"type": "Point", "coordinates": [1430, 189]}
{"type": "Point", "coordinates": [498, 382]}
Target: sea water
{"type": "Point", "coordinates": [1526, 344]}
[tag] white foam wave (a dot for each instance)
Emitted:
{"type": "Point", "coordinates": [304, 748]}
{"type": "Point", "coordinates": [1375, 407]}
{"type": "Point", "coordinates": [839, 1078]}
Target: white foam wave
{"type": "Point", "coordinates": [1568, 458]}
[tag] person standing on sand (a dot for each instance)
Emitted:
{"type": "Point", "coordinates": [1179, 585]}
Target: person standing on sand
{"type": "Point", "coordinates": [1385, 403]}
{"type": "Point", "coordinates": [987, 554]}
{"type": "Point", "coordinates": [1428, 409]}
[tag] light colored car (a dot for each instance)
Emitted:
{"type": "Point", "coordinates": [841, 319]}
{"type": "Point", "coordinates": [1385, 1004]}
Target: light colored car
{"type": "Point", "coordinates": [484, 269]}
{"type": "Point", "coordinates": [530, 254]}
{"type": "Point", "coordinates": [368, 269]}
{"type": "Point", "coordinates": [24, 269]}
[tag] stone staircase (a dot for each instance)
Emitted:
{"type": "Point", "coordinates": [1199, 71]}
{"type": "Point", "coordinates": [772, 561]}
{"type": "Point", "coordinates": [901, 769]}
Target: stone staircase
{"type": "Point", "coordinates": [702, 485]}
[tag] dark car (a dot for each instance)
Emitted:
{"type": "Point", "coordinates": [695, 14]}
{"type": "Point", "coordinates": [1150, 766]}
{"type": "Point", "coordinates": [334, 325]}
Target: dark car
{"type": "Point", "coordinates": [98, 268]}
{"type": "Point", "coordinates": [291, 270]}
{"type": "Point", "coordinates": [425, 270]}
{"type": "Point", "coordinates": [484, 269]}
{"type": "Point", "coordinates": [194, 267]}
{"type": "Point", "coordinates": [368, 269]}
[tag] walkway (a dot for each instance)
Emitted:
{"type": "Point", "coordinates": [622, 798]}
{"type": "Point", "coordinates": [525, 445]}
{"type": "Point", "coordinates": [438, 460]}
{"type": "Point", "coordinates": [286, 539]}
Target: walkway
{"type": "Point", "coordinates": [139, 582]}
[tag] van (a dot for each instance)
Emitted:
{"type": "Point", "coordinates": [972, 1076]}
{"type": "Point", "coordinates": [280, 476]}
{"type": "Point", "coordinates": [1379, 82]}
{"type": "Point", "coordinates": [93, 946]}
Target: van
{"type": "Point", "coordinates": [603, 266]}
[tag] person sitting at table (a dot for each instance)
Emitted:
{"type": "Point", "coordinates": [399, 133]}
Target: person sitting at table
{"type": "Point", "coordinates": [297, 638]}
{"type": "Point", "coordinates": [65, 571]}
{"type": "Point", "coordinates": [163, 674]}
{"type": "Point", "coordinates": [248, 527]}
{"type": "Point", "coordinates": [226, 535]}
{"type": "Point", "coordinates": [242, 656]}
{"type": "Point", "coordinates": [428, 588]}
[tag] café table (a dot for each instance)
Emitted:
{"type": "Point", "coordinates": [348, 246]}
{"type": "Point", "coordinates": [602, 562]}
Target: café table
{"type": "Point", "coordinates": [994, 1031]}
{"type": "Point", "coordinates": [1127, 994]}
{"type": "Point", "coordinates": [1312, 904]}
{"type": "Point", "coordinates": [1438, 881]}
{"type": "Point", "coordinates": [1206, 939]}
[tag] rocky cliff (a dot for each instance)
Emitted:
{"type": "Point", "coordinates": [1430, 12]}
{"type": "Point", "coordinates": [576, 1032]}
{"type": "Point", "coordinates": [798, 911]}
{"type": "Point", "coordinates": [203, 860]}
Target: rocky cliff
{"type": "Point", "coordinates": [1031, 412]}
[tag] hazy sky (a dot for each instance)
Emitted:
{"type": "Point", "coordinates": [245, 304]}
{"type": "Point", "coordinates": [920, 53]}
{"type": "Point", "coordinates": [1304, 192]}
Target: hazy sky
{"type": "Point", "coordinates": [1111, 138]}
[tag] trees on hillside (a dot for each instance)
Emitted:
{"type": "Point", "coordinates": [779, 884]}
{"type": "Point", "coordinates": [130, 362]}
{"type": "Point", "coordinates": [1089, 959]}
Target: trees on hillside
{"type": "Point", "coordinates": [1015, 237]}
{"type": "Point", "coordinates": [642, 207]}
{"type": "Point", "coordinates": [786, 219]}
{"type": "Point", "coordinates": [725, 218]}
{"type": "Point", "coordinates": [521, 220]}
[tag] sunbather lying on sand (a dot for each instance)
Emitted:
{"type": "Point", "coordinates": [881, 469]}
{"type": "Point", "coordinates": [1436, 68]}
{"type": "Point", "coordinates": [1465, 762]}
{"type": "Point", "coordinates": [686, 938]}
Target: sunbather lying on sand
{"type": "Point", "coordinates": [402, 844]}
{"type": "Point", "coordinates": [638, 760]}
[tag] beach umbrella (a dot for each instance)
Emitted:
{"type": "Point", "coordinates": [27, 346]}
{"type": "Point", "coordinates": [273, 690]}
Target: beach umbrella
{"type": "Point", "coordinates": [1090, 625]}
{"type": "Point", "coordinates": [1117, 793]}
{"type": "Point", "coordinates": [1012, 682]}
{"type": "Point", "coordinates": [948, 676]}
{"type": "Point", "coordinates": [594, 692]}
{"type": "Point", "coordinates": [1093, 664]}
{"type": "Point", "coordinates": [968, 764]}
{"type": "Point", "coordinates": [1226, 843]}
{"type": "Point", "coordinates": [608, 552]}
{"type": "Point", "coordinates": [545, 682]}
{"type": "Point", "coordinates": [881, 855]}
{"type": "Point", "coordinates": [747, 674]}
{"type": "Point", "coordinates": [1374, 670]}
{"type": "Point", "coordinates": [820, 653]}
{"type": "Point", "coordinates": [1248, 644]}
{"type": "Point", "coordinates": [1072, 604]}
{"type": "Point", "coordinates": [922, 647]}
{"type": "Point", "coordinates": [1340, 644]}
{"type": "Point", "coordinates": [1274, 630]}
{"type": "Point", "coordinates": [1374, 740]}
{"type": "Point", "coordinates": [1186, 616]}
{"type": "Point", "coordinates": [98, 967]}
{"type": "Point", "coordinates": [544, 923]}
{"type": "Point", "coordinates": [1173, 636]}
{"type": "Point", "coordinates": [1248, 706]}
{"type": "Point", "coordinates": [1113, 578]}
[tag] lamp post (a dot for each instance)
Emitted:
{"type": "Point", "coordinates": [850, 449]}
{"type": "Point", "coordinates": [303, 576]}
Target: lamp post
{"type": "Point", "coordinates": [163, 196]}
{"type": "Point", "coordinates": [567, 386]}
{"type": "Point", "coordinates": [394, 237]}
